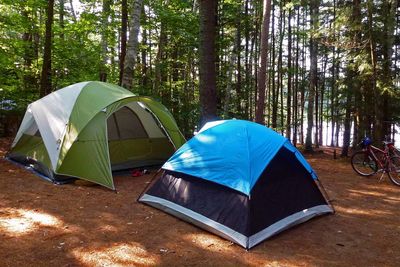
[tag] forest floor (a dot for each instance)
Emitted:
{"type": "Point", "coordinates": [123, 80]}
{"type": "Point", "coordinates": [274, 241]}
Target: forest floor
{"type": "Point", "coordinates": [79, 224]}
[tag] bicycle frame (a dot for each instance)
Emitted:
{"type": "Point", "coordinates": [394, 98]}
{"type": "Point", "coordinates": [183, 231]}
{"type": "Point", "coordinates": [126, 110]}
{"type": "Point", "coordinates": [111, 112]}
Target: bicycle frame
{"type": "Point", "coordinates": [393, 149]}
{"type": "Point", "coordinates": [371, 151]}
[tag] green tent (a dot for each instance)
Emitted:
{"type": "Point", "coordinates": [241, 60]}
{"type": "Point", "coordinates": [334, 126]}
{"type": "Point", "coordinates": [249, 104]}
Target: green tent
{"type": "Point", "coordinates": [89, 129]}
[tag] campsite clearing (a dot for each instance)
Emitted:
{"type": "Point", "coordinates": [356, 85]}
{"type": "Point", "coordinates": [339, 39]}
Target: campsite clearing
{"type": "Point", "coordinates": [81, 224]}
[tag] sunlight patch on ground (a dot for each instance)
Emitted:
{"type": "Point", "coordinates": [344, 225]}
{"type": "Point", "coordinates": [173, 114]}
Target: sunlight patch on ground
{"type": "Point", "coordinates": [130, 254]}
{"type": "Point", "coordinates": [368, 193]}
{"type": "Point", "coordinates": [108, 228]}
{"type": "Point", "coordinates": [210, 242]}
{"type": "Point", "coordinates": [358, 211]}
{"type": "Point", "coordinates": [224, 247]}
{"type": "Point", "coordinates": [17, 222]}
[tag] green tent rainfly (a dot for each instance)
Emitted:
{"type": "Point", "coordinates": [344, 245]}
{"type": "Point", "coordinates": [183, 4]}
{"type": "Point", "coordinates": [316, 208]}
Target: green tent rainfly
{"type": "Point", "coordinates": [88, 129]}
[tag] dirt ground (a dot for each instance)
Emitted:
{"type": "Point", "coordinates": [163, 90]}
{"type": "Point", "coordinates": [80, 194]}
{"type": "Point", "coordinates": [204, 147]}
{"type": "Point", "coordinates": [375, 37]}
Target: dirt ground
{"type": "Point", "coordinates": [79, 224]}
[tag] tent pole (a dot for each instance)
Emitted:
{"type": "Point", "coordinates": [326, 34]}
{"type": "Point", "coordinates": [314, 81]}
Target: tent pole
{"type": "Point", "coordinates": [150, 183]}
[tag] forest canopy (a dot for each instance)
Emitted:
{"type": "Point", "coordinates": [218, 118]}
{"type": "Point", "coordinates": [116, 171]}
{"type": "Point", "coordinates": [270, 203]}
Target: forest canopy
{"type": "Point", "coordinates": [329, 65]}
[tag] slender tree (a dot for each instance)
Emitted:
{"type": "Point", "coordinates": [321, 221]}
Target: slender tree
{"type": "Point", "coordinates": [131, 49]}
{"type": "Point", "coordinates": [289, 82]}
{"type": "Point", "coordinates": [314, 5]}
{"type": "Point", "coordinates": [45, 82]}
{"type": "Point", "coordinates": [262, 68]}
{"type": "Point", "coordinates": [104, 40]}
{"type": "Point", "coordinates": [123, 38]}
{"type": "Point", "coordinates": [207, 72]}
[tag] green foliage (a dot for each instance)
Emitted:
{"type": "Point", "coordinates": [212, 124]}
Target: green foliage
{"type": "Point", "coordinates": [167, 69]}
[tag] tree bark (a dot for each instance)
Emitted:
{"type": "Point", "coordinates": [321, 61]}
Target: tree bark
{"type": "Point", "coordinates": [45, 81]}
{"type": "Point", "coordinates": [131, 49]}
{"type": "Point", "coordinates": [207, 72]}
{"type": "Point", "coordinates": [262, 68]}
{"type": "Point", "coordinates": [333, 79]}
{"type": "Point", "coordinates": [296, 84]}
{"type": "Point", "coordinates": [124, 30]}
{"type": "Point", "coordinates": [289, 83]}
{"type": "Point", "coordinates": [238, 64]}
{"type": "Point", "coordinates": [104, 40]}
{"type": "Point", "coordinates": [159, 72]}
{"type": "Point", "coordinates": [246, 59]}
{"type": "Point", "coordinates": [145, 78]}
{"type": "Point", "coordinates": [314, 5]}
{"type": "Point", "coordinates": [352, 81]}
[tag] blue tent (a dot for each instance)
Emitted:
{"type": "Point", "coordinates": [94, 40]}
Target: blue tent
{"type": "Point", "coordinates": [240, 180]}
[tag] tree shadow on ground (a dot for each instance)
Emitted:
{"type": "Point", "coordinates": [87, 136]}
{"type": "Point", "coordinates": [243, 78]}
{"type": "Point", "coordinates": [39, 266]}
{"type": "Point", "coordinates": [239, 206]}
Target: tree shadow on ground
{"type": "Point", "coordinates": [82, 225]}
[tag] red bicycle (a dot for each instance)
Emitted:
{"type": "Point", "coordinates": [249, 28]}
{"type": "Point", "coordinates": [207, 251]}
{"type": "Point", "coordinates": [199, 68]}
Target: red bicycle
{"type": "Point", "coordinates": [371, 160]}
{"type": "Point", "coordinates": [393, 151]}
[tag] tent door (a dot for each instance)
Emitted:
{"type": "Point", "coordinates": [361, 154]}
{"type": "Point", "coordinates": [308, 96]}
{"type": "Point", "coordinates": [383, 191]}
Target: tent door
{"type": "Point", "coordinates": [129, 143]}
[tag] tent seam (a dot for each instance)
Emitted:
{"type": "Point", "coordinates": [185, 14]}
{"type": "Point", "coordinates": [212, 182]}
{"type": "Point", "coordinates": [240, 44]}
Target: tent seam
{"type": "Point", "coordinates": [249, 162]}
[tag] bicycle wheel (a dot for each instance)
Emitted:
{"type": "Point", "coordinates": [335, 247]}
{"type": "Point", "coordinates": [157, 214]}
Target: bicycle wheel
{"type": "Point", "coordinates": [394, 170]}
{"type": "Point", "coordinates": [363, 164]}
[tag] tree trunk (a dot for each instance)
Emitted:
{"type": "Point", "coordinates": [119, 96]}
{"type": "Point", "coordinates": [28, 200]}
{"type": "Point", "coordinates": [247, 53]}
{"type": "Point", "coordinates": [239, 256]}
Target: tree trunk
{"type": "Point", "coordinates": [239, 91]}
{"type": "Point", "coordinates": [352, 81]}
{"type": "Point", "coordinates": [72, 10]}
{"type": "Point", "coordinates": [45, 81]}
{"type": "Point", "coordinates": [321, 102]}
{"type": "Point", "coordinates": [273, 105]}
{"type": "Point", "coordinates": [296, 88]}
{"type": "Point", "coordinates": [104, 40]}
{"type": "Point", "coordinates": [145, 79]}
{"type": "Point", "coordinates": [246, 59]}
{"type": "Point", "coordinates": [159, 72]}
{"type": "Point", "coordinates": [347, 125]}
{"type": "Point", "coordinates": [262, 68]}
{"type": "Point", "coordinates": [124, 29]}
{"type": "Point", "coordinates": [207, 73]}
{"type": "Point", "coordinates": [389, 8]}
{"type": "Point", "coordinates": [131, 49]}
{"type": "Point", "coordinates": [229, 84]}
{"type": "Point", "coordinates": [303, 70]}
{"type": "Point", "coordinates": [61, 18]}
{"type": "Point", "coordinates": [333, 81]}
{"type": "Point", "coordinates": [289, 83]}
{"type": "Point", "coordinates": [314, 5]}
{"type": "Point", "coordinates": [279, 86]}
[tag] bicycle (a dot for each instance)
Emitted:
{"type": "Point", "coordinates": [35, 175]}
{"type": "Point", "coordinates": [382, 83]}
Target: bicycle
{"type": "Point", "coordinates": [393, 151]}
{"type": "Point", "coordinates": [371, 160]}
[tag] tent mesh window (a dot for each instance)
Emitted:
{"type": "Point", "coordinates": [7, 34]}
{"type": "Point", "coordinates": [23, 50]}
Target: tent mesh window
{"type": "Point", "coordinates": [125, 124]}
